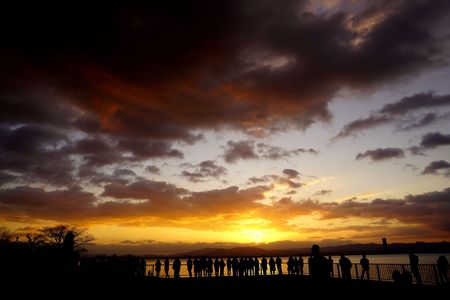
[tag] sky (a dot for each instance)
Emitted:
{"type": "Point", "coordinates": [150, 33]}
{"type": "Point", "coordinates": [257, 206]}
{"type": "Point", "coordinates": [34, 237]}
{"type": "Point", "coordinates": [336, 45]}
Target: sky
{"type": "Point", "coordinates": [170, 125]}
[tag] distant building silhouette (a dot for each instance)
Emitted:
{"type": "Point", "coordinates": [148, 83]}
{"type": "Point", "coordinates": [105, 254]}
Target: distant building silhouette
{"type": "Point", "coordinates": [385, 245]}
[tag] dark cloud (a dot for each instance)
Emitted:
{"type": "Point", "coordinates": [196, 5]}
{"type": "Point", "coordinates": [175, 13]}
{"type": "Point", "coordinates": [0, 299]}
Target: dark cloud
{"type": "Point", "coordinates": [204, 170]}
{"type": "Point", "coordinates": [290, 177]}
{"type": "Point", "coordinates": [416, 102]}
{"type": "Point", "coordinates": [124, 173]}
{"type": "Point", "coordinates": [416, 150]}
{"type": "Point", "coordinates": [424, 120]}
{"type": "Point", "coordinates": [274, 152]}
{"type": "Point", "coordinates": [34, 154]}
{"type": "Point", "coordinates": [239, 150]}
{"type": "Point", "coordinates": [142, 189]}
{"type": "Point", "coordinates": [430, 140]}
{"type": "Point", "coordinates": [362, 124]}
{"type": "Point", "coordinates": [435, 139]}
{"type": "Point", "coordinates": [147, 202]}
{"type": "Point", "coordinates": [380, 154]}
{"type": "Point", "coordinates": [291, 173]}
{"type": "Point", "coordinates": [152, 170]}
{"type": "Point", "coordinates": [6, 178]}
{"type": "Point", "coordinates": [435, 166]}
{"type": "Point", "coordinates": [143, 149]}
{"type": "Point", "coordinates": [144, 199]}
{"type": "Point", "coordinates": [413, 167]}
{"type": "Point", "coordinates": [244, 65]}
{"type": "Point", "coordinates": [402, 114]}
{"type": "Point", "coordinates": [431, 209]}
{"type": "Point", "coordinates": [250, 150]}
{"type": "Point", "coordinates": [36, 203]}
{"type": "Point", "coordinates": [323, 192]}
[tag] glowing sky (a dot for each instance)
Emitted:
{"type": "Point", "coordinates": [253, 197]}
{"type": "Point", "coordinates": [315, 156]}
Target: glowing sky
{"type": "Point", "coordinates": [171, 123]}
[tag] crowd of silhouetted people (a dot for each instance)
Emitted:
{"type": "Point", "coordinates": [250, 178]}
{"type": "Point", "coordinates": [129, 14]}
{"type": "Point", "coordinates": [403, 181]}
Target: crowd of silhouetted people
{"type": "Point", "coordinates": [319, 267]}
{"type": "Point", "coordinates": [243, 266]}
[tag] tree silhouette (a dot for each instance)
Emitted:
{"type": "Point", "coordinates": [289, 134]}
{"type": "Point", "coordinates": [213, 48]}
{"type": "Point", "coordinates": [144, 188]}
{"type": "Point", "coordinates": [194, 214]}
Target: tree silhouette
{"type": "Point", "coordinates": [64, 236]}
{"type": "Point", "coordinates": [5, 234]}
{"type": "Point", "coordinates": [34, 240]}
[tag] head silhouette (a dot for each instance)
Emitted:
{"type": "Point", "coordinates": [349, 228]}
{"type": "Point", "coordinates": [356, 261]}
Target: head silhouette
{"type": "Point", "coordinates": [315, 250]}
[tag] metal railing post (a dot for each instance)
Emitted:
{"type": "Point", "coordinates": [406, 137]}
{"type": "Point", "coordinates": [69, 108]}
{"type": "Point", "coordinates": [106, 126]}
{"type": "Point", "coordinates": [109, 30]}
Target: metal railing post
{"type": "Point", "coordinates": [378, 272]}
{"type": "Point", "coordinates": [436, 275]}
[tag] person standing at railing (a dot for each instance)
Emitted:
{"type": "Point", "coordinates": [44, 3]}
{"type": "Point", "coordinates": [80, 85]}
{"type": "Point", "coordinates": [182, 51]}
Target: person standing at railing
{"type": "Point", "coordinates": [264, 265]}
{"type": "Point", "coordinates": [272, 266]}
{"type": "Point", "coordinates": [279, 263]}
{"type": "Point", "coordinates": [320, 270]}
{"type": "Point", "coordinates": [414, 261]}
{"type": "Point", "coordinates": [330, 266]}
{"type": "Point", "coordinates": [216, 266]}
{"type": "Point", "coordinates": [203, 267]}
{"type": "Point", "coordinates": [365, 266]}
{"type": "Point", "coordinates": [296, 266]}
{"type": "Point", "coordinates": [346, 267]}
{"type": "Point", "coordinates": [256, 266]}
{"type": "Point", "coordinates": [209, 267]}
{"type": "Point", "coordinates": [176, 266]}
{"type": "Point", "coordinates": [290, 266]}
{"type": "Point", "coordinates": [196, 264]}
{"type": "Point", "coordinates": [301, 264]}
{"type": "Point", "coordinates": [166, 267]}
{"type": "Point", "coordinates": [229, 266]}
{"type": "Point", "coordinates": [235, 266]}
{"type": "Point", "coordinates": [442, 266]}
{"type": "Point", "coordinates": [222, 267]}
{"type": "Point", "coordinates": [157, 267]}
{"type": "Point", "coordinates": [189, 266]}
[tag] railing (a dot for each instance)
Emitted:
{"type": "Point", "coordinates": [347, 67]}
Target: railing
{"type": "Point", "coordinates": [428, 273]}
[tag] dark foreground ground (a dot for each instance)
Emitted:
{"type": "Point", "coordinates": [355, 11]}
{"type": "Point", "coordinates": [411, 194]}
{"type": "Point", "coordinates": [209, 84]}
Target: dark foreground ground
{"type": "Point", "coordinates": [279, 288]}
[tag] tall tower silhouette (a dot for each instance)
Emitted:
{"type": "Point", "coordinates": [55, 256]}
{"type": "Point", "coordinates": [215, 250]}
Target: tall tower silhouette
{"type": "Point", "coordinates": [385, 245]}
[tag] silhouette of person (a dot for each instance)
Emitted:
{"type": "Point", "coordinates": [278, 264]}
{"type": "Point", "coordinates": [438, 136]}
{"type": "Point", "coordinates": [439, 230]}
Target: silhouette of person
{"type": "Point", "coordinates": [301, 264]}
{"type": "Point", "coordinates": [406, 278]}
{"type": "Point", "coordinates": [365, 266]}
{"type": "Point", "coordinates": [222, 267]}
{"type": "Point", "coordinates": [166, 267]}
{"type": "Point", "coordinates": [346, 267]}
{"type": "Point", "coordinates": [216, 266]}
{"type": "Point", "coordinates": [264, 265]}
{"type": "Point", "coordinates": [320, 270]}
{"type": "Point", "coordinates": [290, 265]}
{"type": "Point", "coordinates": [157, 267]}
{"type": "Point", "coordinates": [309, 264]}
{"type": "Point", "coordinates": [209, 267]}
{"type": "Point", "coordinates": [196, 267]}
{"type": "Point", "coordinates": [442, 266]}
{"type": "Point", "coordinates": [296, 266]}
{"type": "Point", "coordinates": [203, 267]}
{"type": "Point", "coordinates": [176, 266]}
{"type": "Point", "coordinates": [272, 266]}
{"type": "Point", "coordinates": [256, 262]}
{"type": "Point", "coordinates": [414, 262]}
{"type": "Point", "coordinates": [189, 266]}
{"type": "Point", "coordinates": [330, 265]}
{"type": "Point", "coordinates": [235, 266]}
{"type": "Point", "coordinates": [279, 263]}
{"type": "Point", "coordinates": [229, 266]}
{"type": "Point", "coordinates": [142, 267]}
{"type": "Point", "coordinates": [397, 276]}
